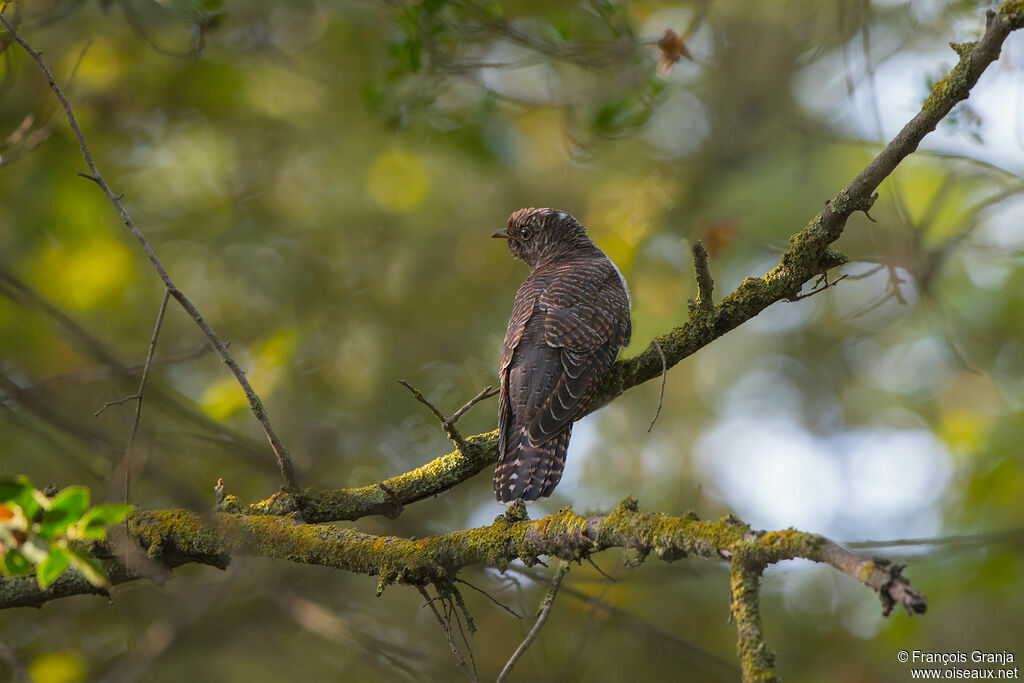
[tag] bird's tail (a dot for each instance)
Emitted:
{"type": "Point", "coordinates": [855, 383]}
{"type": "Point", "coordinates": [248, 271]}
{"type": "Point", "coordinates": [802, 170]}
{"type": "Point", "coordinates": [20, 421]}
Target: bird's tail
{"type": "Point", "coordinates": [527, 471]}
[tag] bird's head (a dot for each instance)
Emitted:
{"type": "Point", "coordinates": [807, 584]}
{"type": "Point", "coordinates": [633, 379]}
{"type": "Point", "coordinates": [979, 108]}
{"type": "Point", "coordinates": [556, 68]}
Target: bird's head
{"type": "Point", "coordinates": [539, 236]}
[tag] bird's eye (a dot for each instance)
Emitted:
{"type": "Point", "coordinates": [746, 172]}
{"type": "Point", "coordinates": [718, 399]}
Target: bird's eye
{"type": "Point", "coordinates": [526, 232]}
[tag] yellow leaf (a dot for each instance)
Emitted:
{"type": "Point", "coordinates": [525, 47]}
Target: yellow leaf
{"type": "Point", "coordinates": [223, 398]}
{"type": "Point", "coordinates": [58, 667]}
{"type": "Point", "coordinates": [398, 181]}
{"type": "Point", "coordinates": [84, 276]}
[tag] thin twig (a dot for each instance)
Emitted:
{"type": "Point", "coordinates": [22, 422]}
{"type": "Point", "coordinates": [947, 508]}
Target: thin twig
{"type": "Point", "coordinates": [283, 460]}
{"type": "Point", "coordinates": [487, 392]}
{"type": "Point", "coordinates": [115, 402]}
{"type": "Point", "coordinates": [664, 376]}
{"type": "Point", "coordinates": [817, 289]}
{"type": "Point", "coordinates": [600, 571]}
{"type": "Point", "coordinates": [491, 598]}
{"type": "Point", "coordinates": [127, 460]}
{"type": "Point", "coordinates": [446, 627]}
{"type": "Point", "coordinates": [542, 616]}
{"type": "Point", "coordinates": [447, 425]}
{"type": "Point", "coordinates": [867, 273]}
{"type": "Point", "coordinates": [423, 399]}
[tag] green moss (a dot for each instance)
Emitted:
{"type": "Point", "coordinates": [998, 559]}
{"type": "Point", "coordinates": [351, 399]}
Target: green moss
{"type": "Point", "coordinates": [964, 49]}
{"type": "Point", "coordinates": [773, 546]}
{"type": "Point", "coordinates": [516, 512]}
{"type": "Point", "coordinates": [1012, 7]}
{"type": "Point", "coordinates": [952, 88]}
{"type": "Point", "coordinates": [864, 575]}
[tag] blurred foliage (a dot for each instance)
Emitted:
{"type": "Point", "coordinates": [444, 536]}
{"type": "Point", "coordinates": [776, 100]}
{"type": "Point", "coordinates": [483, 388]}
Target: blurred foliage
{"type": "Point", "coordinates": [322, 179]}
{"type": "Point", "coordinates": [38, 531]}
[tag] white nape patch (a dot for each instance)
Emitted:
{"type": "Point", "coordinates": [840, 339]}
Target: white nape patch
{"type": "Point", "coordinates": [629, 299]}
{"type": "Point", "coordinates": [563, 215]}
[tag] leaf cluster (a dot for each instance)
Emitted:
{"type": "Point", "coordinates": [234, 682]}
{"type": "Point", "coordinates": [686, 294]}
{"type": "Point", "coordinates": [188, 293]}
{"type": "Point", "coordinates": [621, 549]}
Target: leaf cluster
{"type": "Point", "coordinates": [46, 533]}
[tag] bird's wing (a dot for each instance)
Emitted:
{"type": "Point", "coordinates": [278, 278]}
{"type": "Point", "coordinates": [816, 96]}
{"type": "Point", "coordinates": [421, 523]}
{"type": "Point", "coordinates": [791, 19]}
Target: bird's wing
{"type": "Point", "coordinates": [586, 319]}
{"type": "Point", "coordinates": [526, 298]}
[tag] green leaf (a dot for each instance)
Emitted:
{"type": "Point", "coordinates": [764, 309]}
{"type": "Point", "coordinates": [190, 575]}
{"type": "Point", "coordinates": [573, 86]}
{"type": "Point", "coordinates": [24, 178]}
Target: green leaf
{"type": "Point", "coordinates": [19, 492]}
{"type": "Point", "coordinates": [66, 509]}
{"type": "Point", "coordinates": [15, 564]}
{"type": "Point", "coordinates": [95, 521]}
{"type": "Point", "coordinates": [52, 567]}
{"type": "Point", "coordinates": [89, 567]}
{"type": "Point", "coordinates": [11, 489]}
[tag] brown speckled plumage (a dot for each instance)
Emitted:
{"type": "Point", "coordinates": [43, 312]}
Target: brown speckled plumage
{"type": "Point", "coordinates": [571, 317]}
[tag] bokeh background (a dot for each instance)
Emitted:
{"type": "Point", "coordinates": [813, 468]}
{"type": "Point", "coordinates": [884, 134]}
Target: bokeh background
{"type": "Point", "coordinates": [322, 179]}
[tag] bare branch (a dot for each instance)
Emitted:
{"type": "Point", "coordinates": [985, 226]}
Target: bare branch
{"type": "Point", "coordinates": [883, 576]}
{"type": "Point", "coordinates": [448, 425]}
{"type": "Point", "coordinates": [600, 571]}
{"type": "Point", "coordinates": [491, 598]}
{"type": "Point", "coordinates": [422, 399]}
{"type": "Point", "coordinates": [664, 377]}
{"type": "Point", "coordinates": [486, 393]}
{"type": "Point", "coordinates": [822, 288]}
{"type": "Point", "coordinates": [542, 616]}
{"type": "Point", "coordinates": [283, 460]}
{"type": "Point", "coordinates": [127, 461]}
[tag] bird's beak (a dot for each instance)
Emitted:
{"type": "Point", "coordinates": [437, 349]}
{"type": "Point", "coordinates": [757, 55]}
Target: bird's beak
{"type": "Point", "coordinates": [502, 234]}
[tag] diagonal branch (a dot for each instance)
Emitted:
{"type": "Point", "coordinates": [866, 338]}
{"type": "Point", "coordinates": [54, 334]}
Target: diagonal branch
{"type": "Point", "coordinates": [542, 616]}
{"type": "Point", "coordinates": [809, 257]}
{"type": "Point", "coordinates": [255, 403]}
{"type": "Point", "coordinates": [283, 460]}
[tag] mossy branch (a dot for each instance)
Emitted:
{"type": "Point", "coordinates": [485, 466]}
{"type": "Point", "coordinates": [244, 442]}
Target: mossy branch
{"type": "Point", "coordinates": [171, 538]}
{"type": "Point", "coordinates": [175, 537]}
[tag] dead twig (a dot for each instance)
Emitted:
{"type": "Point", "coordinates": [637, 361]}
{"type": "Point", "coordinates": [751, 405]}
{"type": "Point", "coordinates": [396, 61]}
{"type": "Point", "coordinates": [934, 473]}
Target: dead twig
{"type": "Point", "coordinates": [664, 376]}
{"type": "Point", "coordinates": [448, 423]}
{"type": "Point", "coordinates": [126, 461]}
{"type": "Point", "coordinates": [486, 393]}
{"type": "Point", "coordinates": [600, 571]}
{"type": "Point", "coordinates": [447, 628]}
{"type": "Point", "coordinates": [283, 459]}
{"type": "Point", "coordinates": [816, 289]}
{"type": "Point", "coordinates": [491, 598]}
{"type": "Point", "coordinates": [423, 399]}
{"type": "Point", "coordinates": [542, 616]}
